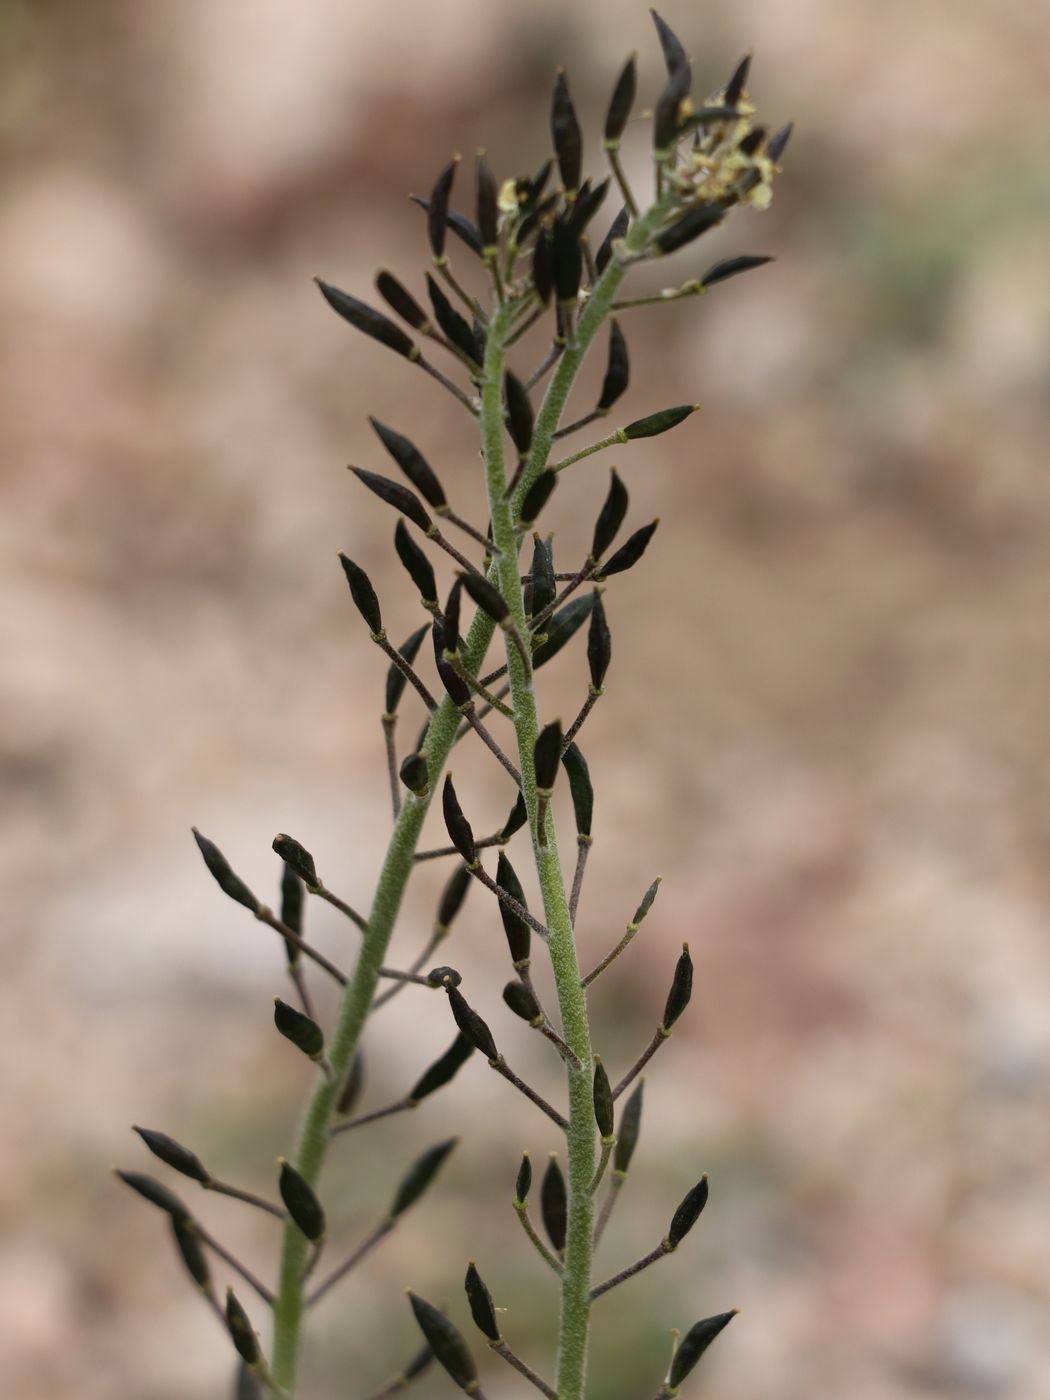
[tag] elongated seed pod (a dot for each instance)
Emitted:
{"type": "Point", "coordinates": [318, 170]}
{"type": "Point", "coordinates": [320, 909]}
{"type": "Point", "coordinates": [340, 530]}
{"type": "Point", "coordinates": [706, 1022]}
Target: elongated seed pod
{"type": "Point", "coordinates": [562, 627]}
{"type": "Point", "coordinates": [519, 815]}
{"type": "Point", "coordinates": [621, 102]}
{"type": "Point", "coordinates": [603, 1100]}
{"type": "Point", "coordinates": [230, 884]}
{"type": "Point", "coordinates": [523, 1184]}
{"type": "Point", "coordinates": [296, 857]}
{"type": "Point", "coordinates": [157, 1194]}
{"type": "Point", "coordinates": [599, 644]}
{"type": "Point", "coordinates": [241, 1330]}
{"type": "Point", "coordinates": [674, 54]}
{"type": "Point", "coordinates": [536, 216]}
{"type": "Point", "coordinates": [547, 755]}
{"type": "Point", "coordinates": [437, 210]}
{"type": "Point", "coordinates": [305, 1034]}
{"type": "Point", "coordinates": [455, 686]}
{"type": "Point", "coordinates": [543, 266]}
{"type": "Point", "coordinates": [451, 322]}
{"type": "Point", "coordinates": [174, 1155]}
{"type": "Point", "coordinates": [518, 933]}
{"type": "Point", "coordinates": [580, 788]}
{"type": "Point", "coordinates": [670, 109]}
{"type": "Point", "coordinates": [630, 1128]}
{"type": "Point", "coordinates": [461, 226]}
{"type": "Point", "coordinates": [401, 300]}
{"type": "Point", "coordinates": [693, 1345]}
{"type": "Point", "coordinates": [554, 1204]}
{"type": "Point", "coordinates": [363, 594]}
{"type": "Point", "coordinates": [443, 1070]}
{"type": "Point", "coordinates": [301, 1202]}
{"type": "Point", "coordinates": [412, 462]}
{"type": "Point", "coordinates": [566, 259]}
{"type": "Point", "coordinates": [456, 823]}
{"type": "Point", "coordinates": [611, 516]}
{"type": "Point", "coordinates": [696, 221]}
{"type": "Point", "coordinates": [480, 1300]}
{"type": "Point", "coordinates": [617, 229]}
{"type": "Point", "coordinates": [617, 369]}
{"type": "Point", "coordinates": [519, 412]}
{"type": "Point", "coordinates": [565, 134]}
{"type": "Point", "coordinates": [452, 897]}
{"type": "Point", "coordinates": [471, 1024]}
{"type": "Point", "coordinates": [537, 496]}
{"type": "Point", "coordinates": [188, 1243]}
{"type": "Point", "coordinates": [778, 142]}
{"type": "Point", "coordinates": [753, 142]}
{"type": "Point", "coordinates": [688, 1213]}
{"type": "Point", "coordinates": [419, 1177]}
{"type": "Point", "coordinates": [487, 209]}
{"type": "Point", "coordinates": [396, 495]}
{"type": "Point", "coordinates": [292, 900]}
{"type": "Point", "coordinates": [587, 204]}
{"type": "Point", "coordinates": [629, 552]}
{"type": "Point", "coordinates": [731, 267]}
{"type": "Point", "coordinates": [737, 84]}
{"type": "Point", "coordinates": [395, 677]}
{"type": "Point", "coordinates": [446, 1342]}
{"type": "Point", "coordinates": [653, 424]}
{"type": "Point", "coordinates": [522, 1001]}
{"type": "Point", "coordinates": [488, 598]}
{"type": "Point", "coordinates": [366, 319]}
{"type": "Point", "coordinates": [681, 989]}
{"type": "Point", "coordinates": [450, 630]}
{"type": "Point", "coordinates": [647, 902]}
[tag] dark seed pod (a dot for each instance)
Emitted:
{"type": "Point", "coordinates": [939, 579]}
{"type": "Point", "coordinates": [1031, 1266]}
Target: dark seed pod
{"type": "Point", "coordinates": [452, 897]}
{"type": "Point", "coordinates": [617, 229]}
{"type": "Point", "coordinates": [444, 977]}
{"type": "Point", "coordinates": [363, 594]}
{"type": "Point", "coordinates": [353, 1086]}
{"type": "Point", "coordinates": [464, 230]}
{"type": "Point", "coordinates": [566, 259]}
{"type": "Point", "coordinates": [599, 644]}
{"type": "Point", "coordinates": [565, 134]}
{"type": "Point", "coordinates": [458, 827]}
{"type": "Point", "coordinates": [488, 598]}
{"type": "Point", "coordinates": [535, 217]}
{"type": "Point", "coordinates": [617, 369]}
{"type": "Point", "coordinates": [437, 210]}
{"type": "Point", "coordinates": [629, 553]}
{"type": "Point", "coordinates": [455, 686]}
{"type": "Point", "coordinates": [621, 103]}
{"type": "Point", "coordinates": [647, 902]}
{"type": "Point", "coordinates": [419, 1176]}
{"type": "Point", "coordinates": [523, 1184]}
{"type": "Point", "coordinates": [681, 990]}
{"type": "Point", "coordinates": [151, 1190]}
{"type": "Point", "coordinates": [543, 266]}
{"type": "Point", "coordinates": [731, 267]}
{"type": "Point", "coordinates": [653, 424]}
{"type": "Point", "coordinates": [630, 1127]}
{"type": "Point", "coordinates": [582, 792]}
{"type": "Point", "coordinates": [547, 755]}
{"type": "Point", "coordinates": [537, 496]}
{"type": "Point", "coordinates": [737, 83]}
{"type": "Point", "coordinates": [174, 1155]}
{"type": "Point", "coordinates": [488, 209]}
{"type": "Point", "coordinates": [587, 204]}
{"type": "Point", "coordinates": [443, 1070]}
{"type": "Point", "coordinates": [610, 517]}
{"type": "Point", "coordinates": [451, 322]}
{"type": "Point", "coordinates": [396, 495]}
{"type": "Point", "coordinates": [306, 1035]}
{"type": "Point", "coordinates": [752, 143]}
{"type": "Point", "coordinates": [412, 463]}
{"type": "Point", "coordinates": [401, 300]}
{"type": "Point", "coordinates": [519, 412]}
{"type": "Point", "coordinates": [415, 774]}
{"type": "Point", "coordinates": [542, 591]}
{"type": "Point", "coordinates": [554, 1205]}
{"type": "Point", "coordinates": [297, 858]}
{"type": "Point", "coordinates": [693, 1345]}
{"type": "Point", "coordinates": [292, 901]}
{"type": "Point", "coordinates": [519, 815]}
{"type": "Point", "coordinates": [522, 1001]}
{"type": "Point", "coordinates": [480, 1300]}
{"type": "Point", "coordinates": [518, 933]}
{"type": "Point", "coordinates": [692, 224]}
{"type": "Point", "coordinates": [408, 650]}
{"type": "Point", "coordinates": [603, 1100]}
{"type": "Point", "coordinates": [240, 1329]}
{"type": "Point", "coordinates": [450, 629]}
{"type": "Point", "coordinates": [187, 1242]}
{"type": "Point", "coordinates": [301, 1202]}
{"type": "Point", "coordinates": [778, 142]}
{"type": "Point", "coordinates": [674, 53]}
{"type": "Point", "coordinates": [471, 1024]}
{"type": "Point", "coordinates": [670, 109]}
{"type": "Point", "coordinates": [446, 1342]}
{"type": "Point", "coordinates": [371, 322]}
{"type": "Point", "coordinates": [688, 1213]}
{"type": "Point", "coordinates": [419, 568]}
{"type": "Point", "coordinates": [230, 884]}
{"type": "Point", "coordinates": [562, 627]}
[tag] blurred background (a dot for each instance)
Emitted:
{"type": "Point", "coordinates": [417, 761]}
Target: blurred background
{"type": "Point", "coordinates": [825, 725]}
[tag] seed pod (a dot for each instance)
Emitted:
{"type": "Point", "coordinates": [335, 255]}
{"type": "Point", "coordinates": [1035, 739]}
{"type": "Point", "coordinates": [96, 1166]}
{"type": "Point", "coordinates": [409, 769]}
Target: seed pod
{"type": "Point", "coordinates": [151, 1190]}
{"type": "Point", "coordinates": [451, 322]}
{"type": "Point", "coordinates": [630, 1127]}
{"type": "Point", "coordinates": [752, 143]}
{"type": "Point", "coordinates": [401, 300]}
{"type": "Point", "coordinates": [523, 1184]}
{"type": "Point", "coordinates": [688, 1213]}
{"type": "Point", "coordinates": [305, 1034]}
{"type": "Point", "coordinates": [587, 204]}
{"type": "Point", "coordinates": [603, 1100]}
{"type": "Point", "coordinates": [617, 229]}
{"type": "Point", "coordinates": [458, 827]}
{"type": "Point", "coordinates": [371, 322]}
{"type": "Point", "coordinates": [395, 677]}
{"type": "Point", "coordinates": [412, 463]}
{"type": "Point", "coordinates": [519, 815]}
{"type": "Point", "coordinates": [353, 1086]}
{"type": "Point", "coordinates": [292, 900]}
{"type": "Point", "coordinates": [647, 902]}
{"type": "Point", "coordinates": [452, 897]}
{"type": "Point", "coordinates": [444, 977]}
{"type": "Point", "coordinates": [488, 598]}
{"type": "Point", "coordinates": [693, 1345]}
{"type": "Point", "coordinates": [415, 774]}
{"type": "Point", "coordinates": [547, 755]}
{"type": "Point", "coordinates": [562, 627]}
{"type": "Point", "coordinates": [518, 933]}
{"type": "Point", "coordinates": [610, 517]}
{"type": "Point", "coordinates": [531, 190]}
{"type": "Point", "coordinates": [446, 1342]}
{"type": "Point", "coordinates": [464, 230]}
{"type": "Point", "coordinates": [450, 633]}
{"type": "Point", "coordinates": [535, 217]}
{"type": "Point", "coordinates": [731, 267]}
{"type": "Point", "coordinates": [522, 1001]}
{"type": "Point", "coordinates": [419, 1176]}
{"type": "Point", "coordinates": [621, 103]}
{"type": "Point", "coordinates": [396, 495]}
{"type": "Point", "coordinates": [437, 210]}
{"type": "Point", "coordinates": [543, 266]}
{"type": "Point", "coordinates": [297, 858]}
{"type": "Point", "coordinates": [554, 1204]}
{"type": "Point", "coordinates": [419, 569]}
{"type": "Point", "coordinates": [363, 594]}
{"type": "Point", "coordinates": [487, 206]}
{"type": "Point", "coordinates": [565, 134]}
{"type": "Point", "coordinates": [681, 990]}
{"type": "Point", "coordinates": [542, 589]}
{"type": "Point", "coordinates": [670, 109]}
{"type": "Point", "coordinates": [599, 644]}
{"type": "Point", "coordinates": [230, 884]}
{"type": "Point", "coordinates": [674, 53]}
{"type": "Point", "coordinates": [617, 369]}
{"type": "Point", "coordinates": [455, 686]}
{"type": "Point", "coordinates": [778, 142]}
{"type": "Point", "coordinates": [582, 792]}
{"type": "Point", "coordinates": [443, 1070]}
{"type": "Point", "coordinates": [629, 552]}
{"type": "Point", "coordinates": [537, 496]}
{"type": "Point", "coordinates": [692, 224]}
{"type": "Point", "coordinates": [301, 1201]}
{"type": "Point", "coordinates": [187, 1242]}
{"type": "Point", "coordinates": [653, 424]}
{"type": "Point", "coordinates": [519, 412]}
{"type": "Point", "coordinates": [240, 1329]}
{"type": "Point", "coordinates": [566, 259]}
{"type": "Point", "coordinates": [736, 86]}
{"type": "Point", "coordinates": [471, 1024]}
{"type": "Point", "coordinates": [480, 1300]}
{"type": "Point", "coordinates": [174, 1155]}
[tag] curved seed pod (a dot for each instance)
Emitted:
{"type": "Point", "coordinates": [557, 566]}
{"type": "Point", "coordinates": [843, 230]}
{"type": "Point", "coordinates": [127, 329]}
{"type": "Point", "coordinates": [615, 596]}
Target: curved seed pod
{"type": "Point", "coordinates": [543, 266]}
{"type": "Point", "coordinates": [692, 224]}
{"type": "Point", "coordinates": [681, 990]}
{"type": "Point", "coordinates": [301, 1201]}
{"type": "Point", "coordinates": [617, 369]}
{"type": "Point", "coordinates": [621, 102]}
{"type": "Point", "coordinates": [366, 319]}
{"type": "Point", "coordinates": [455, 686]}
{"type": "Point", "coordinates": [419, 1176]}
{"type": "Point", "coordinates": [542, 587]}
{"type": "Point", "coordinates": [471, 1024]}
{"type": "Point", "coordinates": [778, 142]}
{"type": "Point", "coordinates": [460, 834]}
{"type": "Point", "coordinates": [547, 755]}
{"type": "Point", "coordinates": [523, 1184]}
{"type": "Point", "coordinates": [437, 210]}
{"type": "Point", "coordinates": [687, 1214]}
{"type": "Point", "coordinates": [617, 229]}
{"type": "Point", "coordinates": [174, 1155]}
{"type": "Point", "coordinates": [480, 1300]}
{"type": "Point", "coordinates": [562, 627]}
{"type": "Point", "coordinates": [610, 517]}
{"type": "Point", "coordinates": [450, 626]}
{"type": "Point", "coordinates": [452, 897]}
{"type": "Point", "coordinates": [629, 552]}
{"type": "Point", "coordinates": [395, 677]}
{"type": "Point", "coordinates": [582, 792]}
{"type": "Point", "coordinates": [737, 84]}
{"type": "Point", "coordinates": [674, 53]}
{"type": "Point", "coordinates": [693, 1345]}
{"type": "Point", "coordinates": [653, 424]}
{"type": "Point", "coordinates": [305, 1034]}
{"type": "Point", "coordinates": [151, 1190]}
{"type": "Point", "coordinates": [297, 858]}
{"type": "Point", "coordinates": [566, 259]}
{"type": "Point", "coordinates": [487, 207]}
{"type": "Point", "coordinates": [446, 1342]}
{"type": "Point", "coordinates": [412, 462]}
{"type": "Point", "coordinates": [671, 108]}
{"type": "Point", "coordinates": [731, 267]}
{"type": "Point", "coordinates": [363, 594]}
{"type": "Point", "coordinates": [537, 496]}
{"type": "Point", "coordinates": [292, 901]}
{"type": "Point", "coordinates": [396, 495]}
{"type": "Point", "coordinates": [230, 884]}
{"type": "Point", "coordinates": [443, 1070]}
{"type": "Point", "coordinates": [565, 134]}
{"type": "Point", "coordinates": [418, 566]}
{"type": "Point", "coordinates": [519, 815]}
{"type": "Point", "coordinates": [353, 1086]}
{"type": "Point", "coordinates": [187, 1242]}
{"type": "Point", "coordinates": [630, 1127]}
{"type": "Point", "coordinates": [519, 412]}
{"type": "Point", "coordinates": [451, 322]}
{"type": "Point", "coordinates": [415, 774]}
{"type": "Point", "coordinates": [603, 1100]}
{"type": "Point", "coordinates": [401, 300]}
{"type": "Point", "coordinates": [488, 598]}
{"type": "Point", "coordinates": [587, 204]}
{"type": "Point", "coordinates": [241, 1330]}
{"type": "Point", "coordinates": [599, 644]}
{"type": "Point", "coordinates": [517, 930]}
{"type": "Point", "coordinates": [522, 1001]}
{"type": "Point", "coordinates": [554, 1204]}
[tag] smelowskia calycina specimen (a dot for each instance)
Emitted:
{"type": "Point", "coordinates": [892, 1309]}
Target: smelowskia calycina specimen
{"type": "Point", "coordinates": [532, 244]}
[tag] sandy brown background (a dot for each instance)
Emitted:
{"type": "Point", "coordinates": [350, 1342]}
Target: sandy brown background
{"type": "Point", "coordinates": [826, 724]}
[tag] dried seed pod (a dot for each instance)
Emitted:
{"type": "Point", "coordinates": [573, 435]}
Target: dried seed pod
{"type": "Point", "coordinates": [692, 1347]}
{"type": "Point", "coordinates": [241, 1330]}
{"type": "Point", "coordinates": [305, 1034]}
{"type": "Point", "coordinates": [562, 627]}
{"type": "Point", "coordinates": [412, 463]}
{"type": "Point", "coordinates": [455, 686]}
{"type": "Point", "coordinates": [617, 229]}
{"type": "Point", "coordinates": [460, 834]}
{"type": "Point", "coordinates": [542, 587]}
{"type": "Point", "coordinates": [653, 424]}
{"type": "Point", "coordinates": [353, 1086]}
{"type": "Point", "coordinates": [519, 412]}
{"type": "Point", "coordinates": [566, 259]}
{"type": "Point", "coordinates": [297, 858]}
{"type": "Point", "coordinates": [415, 774]}
{"type": "Point", "coordinates": [778, 142]}
{"type": "Point", "coordinates": [158, 1195]}
{"type": "Point", "coordinates": [230, 884]}
{"type": "Point", "coordinates": [543, 266]}
{"type": "Point", "coordinates": [174, 1155]}
{"type": "Point", "coordinates": [647, 902]}
{"type": "Point", "coordinates": [587, 204]}
{"type": "Point", "coordinates": [599, 644]}
{"type": "Point", "coordinates": [582, 792]}
{"type": "Point", "coordinates": [461, 226]}
{"type": "Point", "coordinates": [519, 935]}
{"type": "Point", "coordinates": [519, 815]}
{"type": "Point", "coordinates": [670, 109]}
{"type": "Point", "coordinates": [674, 54]}
{"type": "Point", "coordinates": [292, 901]}
{"type": "Point", "coordinates": [523, 1184]}
{"type": "Point", "coordinates": [547, 755]}
{"type": "Point", "coordinates": [188, 1243]}
{"type": "Point", "coordinates": [395, 677]}
{"type": "Point", "coordinates": [451, 322]}
{"type": "Point", "coordinates": [401, 300]}
{"type": "Point", "coordinates": [731, 267]}
{"type": "Point", "coordinates": [537, 496]}
{"type": "Point", "coordinates": [363, 594]}
{"type": "Point", "coordinates": [396, 495]}
{"type": "Point", "coordinates": [617, 369]}
{"type": "Point", "coordinates": [603, 1100]}
{"type": "Point", "coordinates": [630, 1127]}
{"type": "Point", "coordinates": [450, 632]}
{"type": "Point", "coordinates": [621, 102]}
{"type": "Point", "coordinates": [480, 1300]}
{"type": "Point", "coordinates": [301, 1202]}
{"type": "Point", "coordinates": [629, 552]}
{"type": "Point", "coordinates": [437, 210]}
{"type": "Point", "coordinates": [753, 142]}
{"type": "Point", "coordinates": [443, 1070]}
{"type": "Point", "coordinates": [687, 1214]}
{"type": "Point", "coordinates": [565, 134]}
{"type": "Point", "coordinates": [522, 1001]}
{"type": "Point", "coordinates": [487, 205]}
{"type": "Point", "coordinates": [554, 1204]}
{"type": "Point", "coordinates": [446, 1342]}
{"type": "Point", "coordinates": [419, 1176]}
{"type": "Point", "coordinates": [471, 1024]}
{"type": "Point", "coordinates": [366, 319]}
{"type": "Point", "coordinates": [452, 897]}
{"type": "Point", "coordinates": [692, 224]}
{"type": "Point", "coordinates": [681, 990]}
{"type": "Point", "coordinates": [736, 86]}
{"type": "Point", "coordinates": [610, 517]}
{"type": "Point", "coordinates": [488, 598]}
